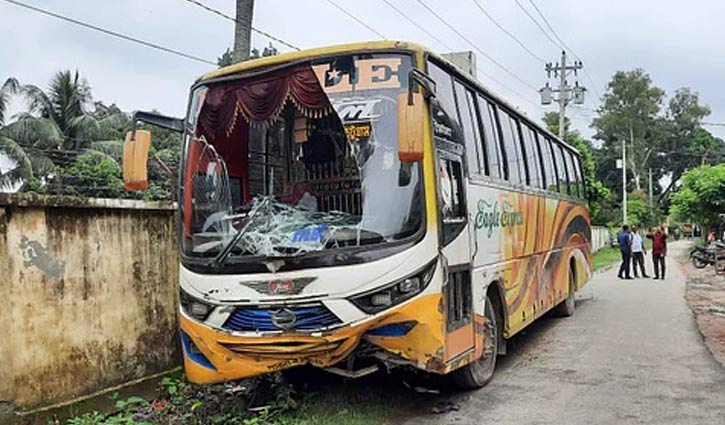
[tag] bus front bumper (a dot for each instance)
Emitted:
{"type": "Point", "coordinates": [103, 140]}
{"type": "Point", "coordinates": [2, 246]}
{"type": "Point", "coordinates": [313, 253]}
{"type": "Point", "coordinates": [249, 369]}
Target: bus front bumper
{"type": "Point", "coordinates": [212, 356]}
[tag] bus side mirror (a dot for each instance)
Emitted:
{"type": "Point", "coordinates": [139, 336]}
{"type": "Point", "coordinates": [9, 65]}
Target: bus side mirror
{"type": "Point", "coordinates": [410, 127]}
{"type": "Point", "coordinates": [135, 159]}
{"type": "Point", "coordinates": [411, 113]}
{"type": "Point", "coordinates": [137, 144]}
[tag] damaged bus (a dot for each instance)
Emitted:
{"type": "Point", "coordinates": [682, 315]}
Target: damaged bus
{"type": "Point", "coordinates": [363, 205]}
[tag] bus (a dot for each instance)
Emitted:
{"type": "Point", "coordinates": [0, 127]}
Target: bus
{"type": "Point", "coordinates": [363, 206]}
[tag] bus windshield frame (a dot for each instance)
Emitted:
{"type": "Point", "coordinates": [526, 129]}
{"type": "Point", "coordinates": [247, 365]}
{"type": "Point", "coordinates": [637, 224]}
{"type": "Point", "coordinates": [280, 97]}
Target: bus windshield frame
{"type": "Point", "coordinates": [360, 90]}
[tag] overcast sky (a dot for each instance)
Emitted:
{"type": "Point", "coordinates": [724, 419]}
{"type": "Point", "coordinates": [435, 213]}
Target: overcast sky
{"type": "Point", "coordinates": [678, 43]}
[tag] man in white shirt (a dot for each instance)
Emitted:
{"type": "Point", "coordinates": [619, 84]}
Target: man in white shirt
{"type": "Point", "coordinates": [638, 253]}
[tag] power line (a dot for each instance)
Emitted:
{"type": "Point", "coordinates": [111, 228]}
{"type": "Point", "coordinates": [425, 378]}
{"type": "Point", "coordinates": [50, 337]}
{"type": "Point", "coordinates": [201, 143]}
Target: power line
{"type": "Point", "coordinates": [537, 24]}
{"type": "Point", "coordinates": [420, 27]}
{"type": "Point", "coordinates": [109, 32]}
{"type": "Point", "coordinates": [433, 36]}
{"type": "Point", "coordinates": [507, 32]}
{"type": "Point", "coordinates": [713, 124]}
{"type": "Point", "coordinates": [548, 25]}
{"type": "Point", "coordinates": [356, 19]}
{"type": "Point", "coordinates": [244, 24]}
{"type": "Point", "coordinates": [486, 55]}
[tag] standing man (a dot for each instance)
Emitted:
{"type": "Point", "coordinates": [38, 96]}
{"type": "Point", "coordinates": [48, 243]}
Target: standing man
{"type": "Point", "coordinates": [638, 253]}
{"type": "Point", "coordinates": [624, 239]}
{"type": "Point", "coordinates": [659, 250]}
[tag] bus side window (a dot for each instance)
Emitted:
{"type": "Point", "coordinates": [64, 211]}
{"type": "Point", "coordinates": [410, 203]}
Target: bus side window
{"type": "Point", "coordinates": [548, 146]}
{"type": "Point", "coordinates": [580, 176]}
{"type": "Point", "coordinates": [491, 138]}
{"type": "Point", "coordinates": [453, 211]}
{"type": "Point", "coordinates": [471, 138]}
{"type": "Point", "coordinates": [478, 136]}
{"type": "Point", "coordinates": [443, 106]}
{"type": "Point", "coordinates": [561, 168]}
{"type": "Point", "coordinates": [510, 134]}
{"type": "Point", "coordinates": [532, 157]}
{"type": "Point", "coordinates": [573, 175]}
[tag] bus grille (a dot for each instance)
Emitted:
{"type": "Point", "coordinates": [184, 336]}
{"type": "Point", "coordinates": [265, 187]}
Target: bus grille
{"type": "Point", "coordinates": [261, 320]}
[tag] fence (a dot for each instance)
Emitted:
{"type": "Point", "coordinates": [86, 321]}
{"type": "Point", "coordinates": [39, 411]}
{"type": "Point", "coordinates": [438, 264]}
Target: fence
{"type": "Point", "coordinates": [89, 288]}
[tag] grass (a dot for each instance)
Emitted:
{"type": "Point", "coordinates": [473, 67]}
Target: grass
{"type": "Point", "coordinates": [329, 401]}
{"type": "Point", "coordinates": [605, 257]}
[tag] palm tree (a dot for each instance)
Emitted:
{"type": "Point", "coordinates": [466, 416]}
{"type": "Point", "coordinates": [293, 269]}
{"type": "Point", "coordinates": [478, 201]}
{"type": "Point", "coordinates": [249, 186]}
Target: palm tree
{"type": "Point", "coordinates": [8, 88]}
{"type": "Point", "coordinates": [59, 124]}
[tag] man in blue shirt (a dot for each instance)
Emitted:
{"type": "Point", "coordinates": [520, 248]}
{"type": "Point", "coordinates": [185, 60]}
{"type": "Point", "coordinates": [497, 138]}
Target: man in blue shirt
{"type": "Point", "coordinates": [624, 239]}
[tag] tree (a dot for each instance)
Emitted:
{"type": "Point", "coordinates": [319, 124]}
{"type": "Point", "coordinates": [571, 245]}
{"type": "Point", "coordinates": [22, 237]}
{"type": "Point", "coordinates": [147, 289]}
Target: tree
{"type": "Point", "coordinates": [701, 199]}
{"type": "Point", "coordinates": [9, 87]}
{"type": "Point", "coordinates": [225, 59]}
{"type": "Point", "coordinates": [630, 111]}
{"type": "Point", "coordinates": [688, 144]}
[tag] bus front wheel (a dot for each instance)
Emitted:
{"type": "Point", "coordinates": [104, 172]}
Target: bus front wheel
{"type": "Point", "coordinates": [477, 373]}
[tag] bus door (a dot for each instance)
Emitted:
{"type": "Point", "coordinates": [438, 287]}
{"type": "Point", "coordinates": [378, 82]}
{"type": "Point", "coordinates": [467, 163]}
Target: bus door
{"type": "Point", "coordinates": [455, 241]}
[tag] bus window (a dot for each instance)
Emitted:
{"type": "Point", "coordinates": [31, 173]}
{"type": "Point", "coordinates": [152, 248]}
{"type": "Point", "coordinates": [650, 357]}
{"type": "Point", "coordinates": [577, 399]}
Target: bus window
{"type": "Point", "coordinates": [453, 212]}
{"type": "Point", "coordinates": [532, 157]}
{"type": "Point", "coordinates": [464, 113]}
{"type": "Point", "coordinates": [579, 176]}
{"type": "Point", "coordinates": [560, 168]}
{"type": "Point", "coordinates": [573, 187]}
{"type": "Point", "coordinates": [574, 174]}
{"type": "Point", "coordinates": [443, 106]}
{"type": "Point", "coordinates": [491, 138]}
{"type": "Point", "coordinates": [549, 163]}
{"type": "Point", "coordinates": [482, 156]}
{"type": "Point", "coordinates": [510, 134]}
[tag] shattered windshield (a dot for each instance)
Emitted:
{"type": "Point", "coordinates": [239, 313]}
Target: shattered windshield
{"type": "Point", "coordinates": [299, 159]}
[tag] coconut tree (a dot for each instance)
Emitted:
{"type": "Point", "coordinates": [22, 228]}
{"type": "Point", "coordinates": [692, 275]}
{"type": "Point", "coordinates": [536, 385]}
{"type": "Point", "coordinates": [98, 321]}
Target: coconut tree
{"type": "Point", "coordinates": [9, 87]}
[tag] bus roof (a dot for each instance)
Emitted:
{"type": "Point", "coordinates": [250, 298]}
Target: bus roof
{"type": "Point", "coordinates": [398, 45]}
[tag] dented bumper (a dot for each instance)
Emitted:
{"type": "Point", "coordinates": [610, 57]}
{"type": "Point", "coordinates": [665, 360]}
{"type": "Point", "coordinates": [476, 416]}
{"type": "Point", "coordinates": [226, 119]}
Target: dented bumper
{"type": "Point", "coordinates": [412, 332]}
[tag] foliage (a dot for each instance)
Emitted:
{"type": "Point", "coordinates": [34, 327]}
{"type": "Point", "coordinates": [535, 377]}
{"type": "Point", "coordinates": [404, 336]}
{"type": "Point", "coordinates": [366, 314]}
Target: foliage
{"type": "Point", "coordinates": [94, 174]}
{"type": "Point", "coordinates": [701, 199]}
{"type": "Point", "coordinates": [225, 59]}
{"type": "Point", "coordinates": [22, 170]}
{"type": "Point", "coordinates": [74, 145]}
{"type": "Point", "coordinates": [9, 87]}
{"type": "Point", "coordinates": [631, 111]}
{"type": "Point", "coordinates": [638, 211]}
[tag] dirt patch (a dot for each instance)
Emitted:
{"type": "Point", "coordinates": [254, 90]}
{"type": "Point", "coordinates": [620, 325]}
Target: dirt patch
{"type": "Point", "coordinates": [705, 295]}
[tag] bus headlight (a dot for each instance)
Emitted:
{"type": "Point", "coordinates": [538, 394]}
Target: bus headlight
{"type": "Point", "coordinates": [397, 292]}
{"type": "Point", "coordinates": [194, 307]}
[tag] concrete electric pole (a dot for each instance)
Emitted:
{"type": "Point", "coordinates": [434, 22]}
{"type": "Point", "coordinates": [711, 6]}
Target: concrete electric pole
{"type": "Point", "coordinates": [565, 92]}
{"type": "Point", "coordinates": [243, 30]}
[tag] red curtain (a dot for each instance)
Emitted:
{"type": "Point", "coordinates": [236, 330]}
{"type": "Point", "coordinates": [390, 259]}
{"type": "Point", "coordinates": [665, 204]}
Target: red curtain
{"type": "Point", "coordinates": [260, 100]}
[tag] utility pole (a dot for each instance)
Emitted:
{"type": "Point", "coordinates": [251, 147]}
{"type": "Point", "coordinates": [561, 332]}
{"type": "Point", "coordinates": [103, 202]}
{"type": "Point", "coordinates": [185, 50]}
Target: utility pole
{"type": "Point", "coordinates": [243, 30]}
{"type": "Point", "coordinates": [624, 181]}
{"type": "Point", "coordinates": [565, 92]}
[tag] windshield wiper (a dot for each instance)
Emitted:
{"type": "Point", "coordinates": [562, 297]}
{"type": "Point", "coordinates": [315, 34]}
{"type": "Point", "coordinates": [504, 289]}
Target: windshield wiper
{"type": "Point", "coordinates": [238, 236]}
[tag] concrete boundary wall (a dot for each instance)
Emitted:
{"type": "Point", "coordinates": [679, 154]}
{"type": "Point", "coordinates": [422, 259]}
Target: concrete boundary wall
{"type": "Point", "coordinates": [600, 238]}
{"type": "Point", "coordinates": [88, 290]}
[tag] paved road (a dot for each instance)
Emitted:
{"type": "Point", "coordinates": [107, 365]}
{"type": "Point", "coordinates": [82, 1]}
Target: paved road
{"type": "Point", "coordinates": [631, 354]}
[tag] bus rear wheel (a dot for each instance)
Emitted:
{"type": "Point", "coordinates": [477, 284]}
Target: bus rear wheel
{"type": "Point", "coordinates": [566, 308]}
{"type": "Point", "coordinates": [477, 373]}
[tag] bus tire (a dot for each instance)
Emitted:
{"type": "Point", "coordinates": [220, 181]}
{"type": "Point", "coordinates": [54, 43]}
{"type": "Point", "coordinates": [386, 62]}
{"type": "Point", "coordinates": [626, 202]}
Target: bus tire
{"type": "Point", "coordinates": [479, 372]}
{"type": "Point", "coordinates": [566, 308]}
